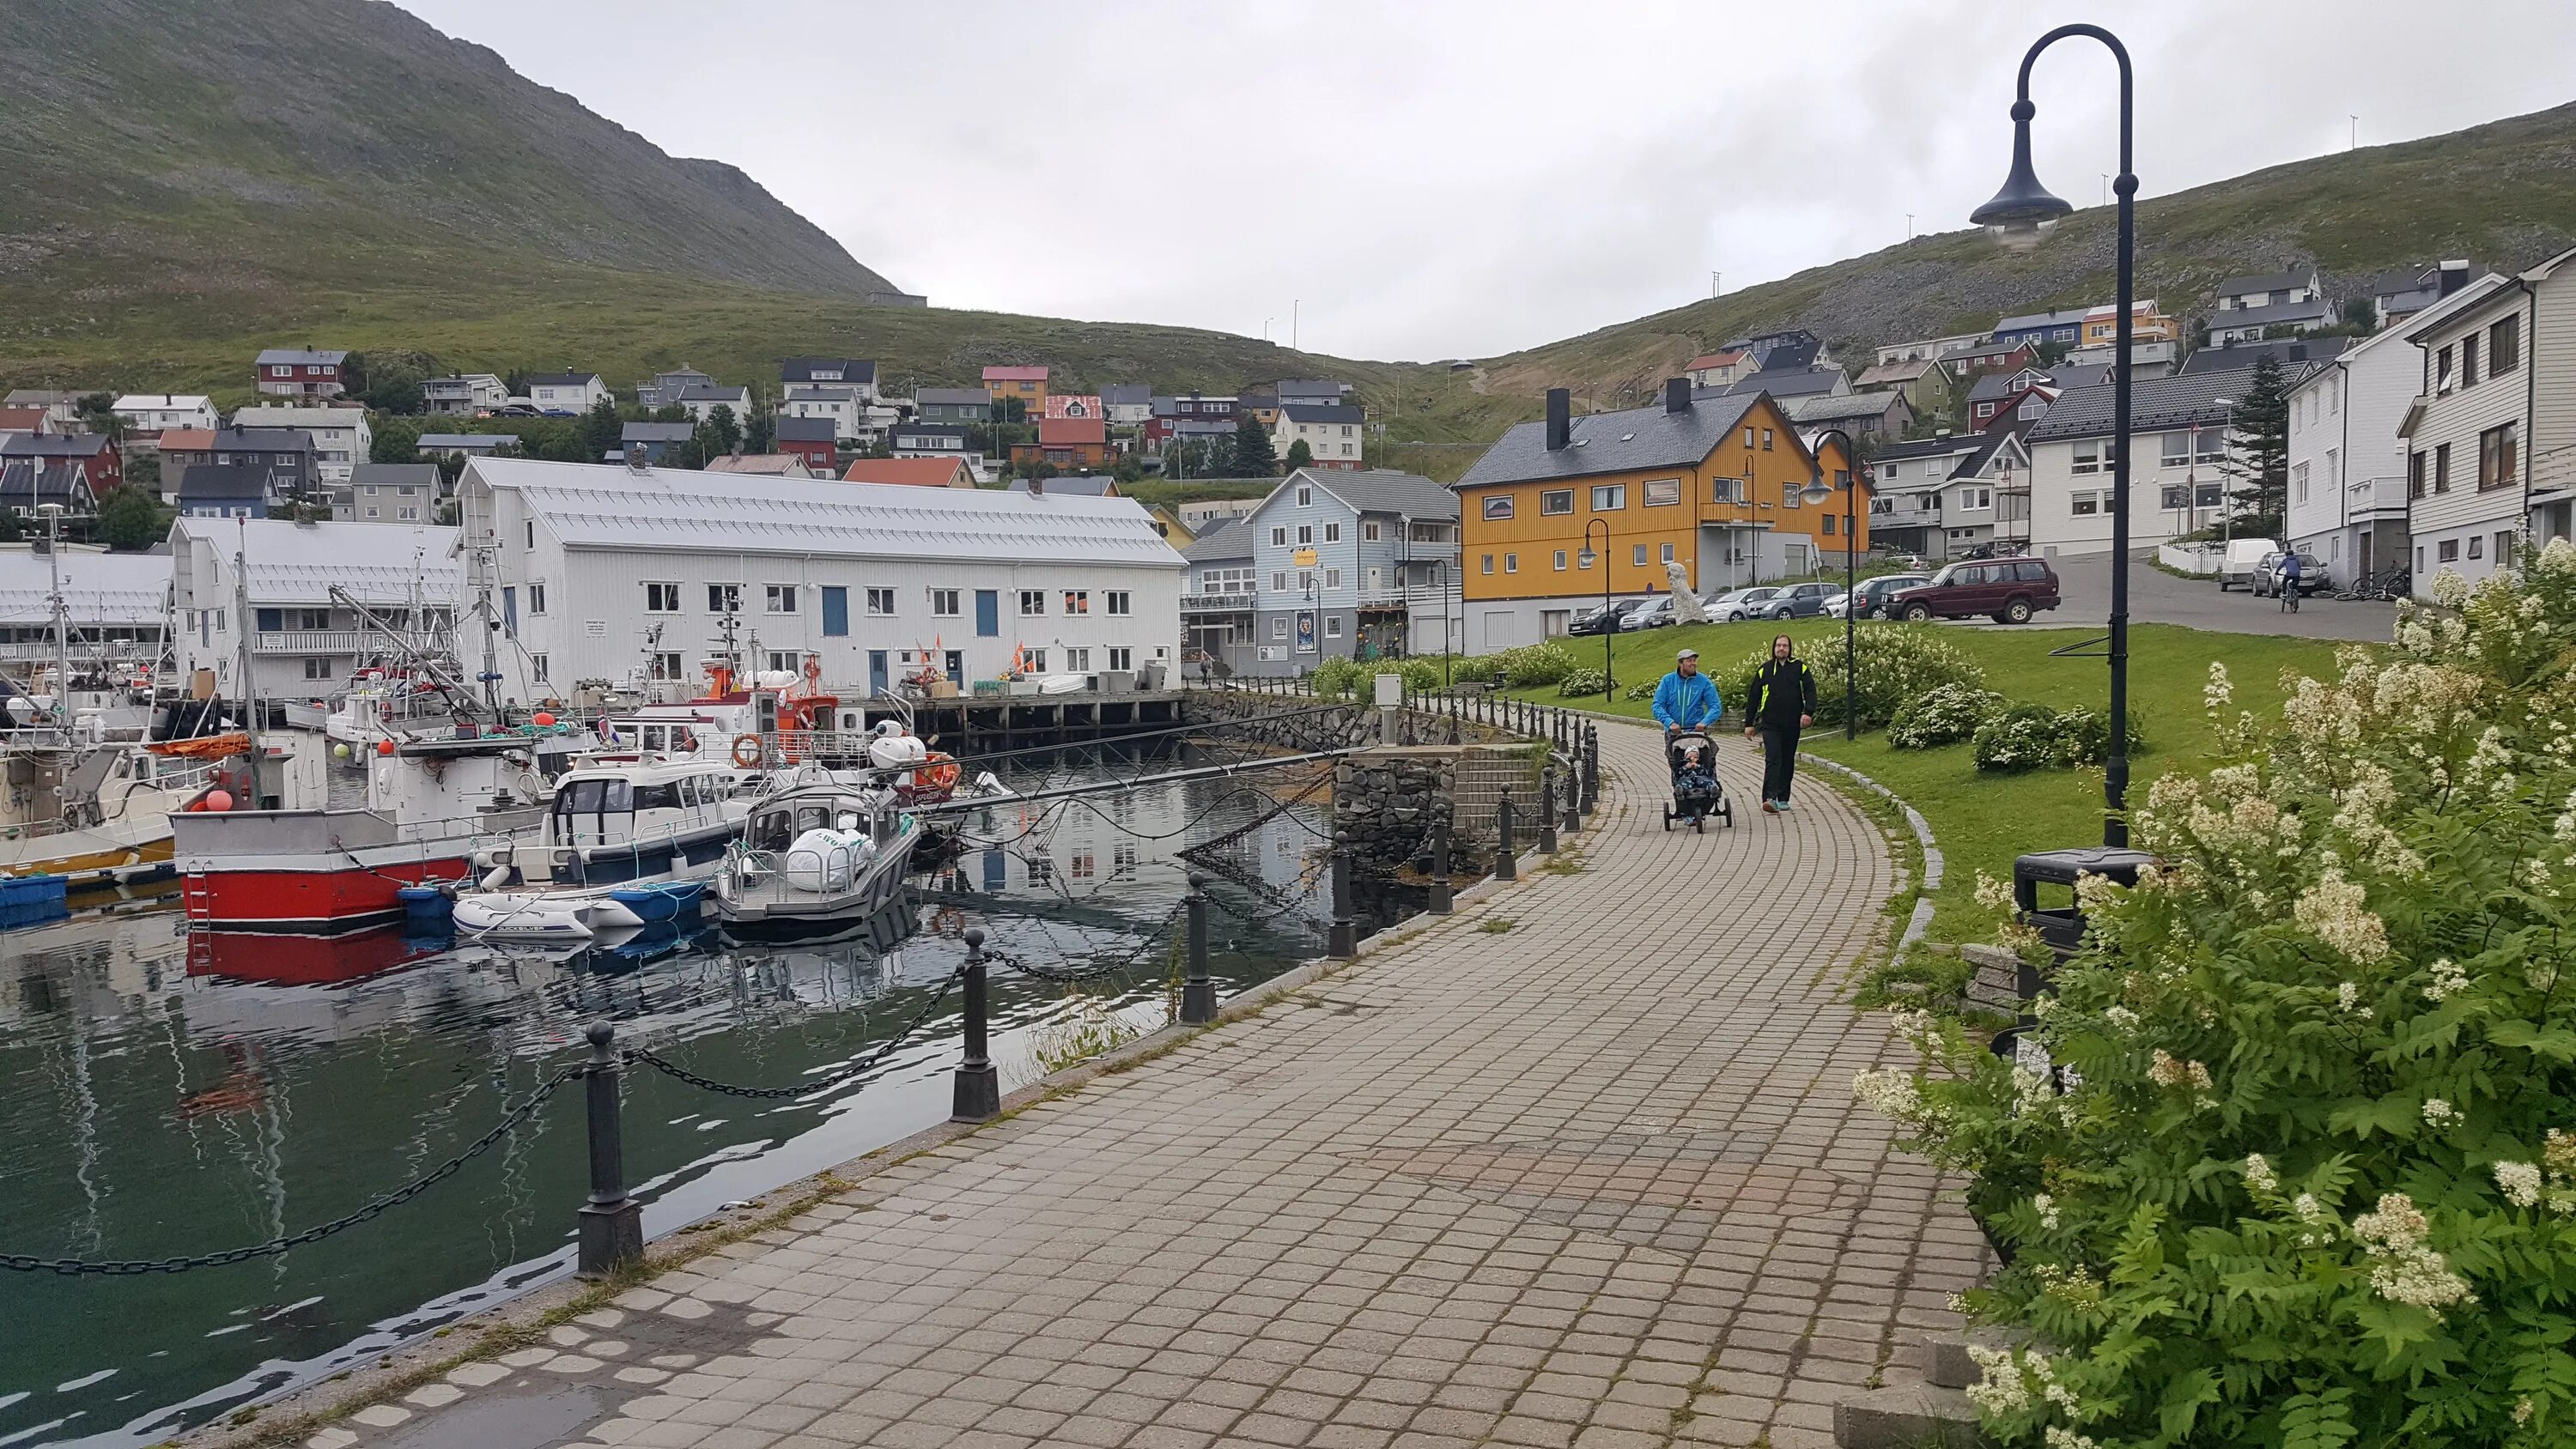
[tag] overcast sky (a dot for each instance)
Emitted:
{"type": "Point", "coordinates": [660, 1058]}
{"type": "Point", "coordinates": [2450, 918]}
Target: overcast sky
{"type": "Point", "coordinates": [1434, 178]}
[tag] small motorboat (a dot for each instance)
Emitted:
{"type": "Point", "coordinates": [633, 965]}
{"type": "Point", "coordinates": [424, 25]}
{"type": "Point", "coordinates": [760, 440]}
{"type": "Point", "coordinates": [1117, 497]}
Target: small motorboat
{"type": "Point", "coordinates": [815, 857]}
{"type": "Point", "coordinates": [661, 900]}
{"type": "Point", "coordinates": [540, 915]}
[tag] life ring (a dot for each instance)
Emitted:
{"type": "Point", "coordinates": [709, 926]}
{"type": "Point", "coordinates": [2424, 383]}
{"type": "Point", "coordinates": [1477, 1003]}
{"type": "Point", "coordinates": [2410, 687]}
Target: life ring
{"type": "Point", "coordinates": [748, 752]}
{"type": "Point", "coordinates": [940, 774]}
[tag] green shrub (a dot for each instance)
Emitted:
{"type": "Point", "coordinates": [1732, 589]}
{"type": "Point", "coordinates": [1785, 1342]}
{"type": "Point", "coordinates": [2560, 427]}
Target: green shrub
{"type": "Point", "coordinates": [1643, 689]}
{"type": "Point", "coordinates": [1531, 665]}
{"type": "Point", "coordinates": [1896, 663]}
{"type": "Point", "coordinates": [1339, 677]}
{"type": "Point", "coordinates": [2293, 1158]}
{"type": "Point", "coordinates": [1422, 675]}
{"type": "Point", "coordinates": [1944, 716]}
{"type": "Point", "coordinates": [2024, 737]}
{"type": "Point", "coordinates": [1583, 682]}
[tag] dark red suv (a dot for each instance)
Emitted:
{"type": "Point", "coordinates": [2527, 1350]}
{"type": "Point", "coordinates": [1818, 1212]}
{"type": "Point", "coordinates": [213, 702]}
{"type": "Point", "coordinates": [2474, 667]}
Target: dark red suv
{"type": "Point", "coordinates": [2008, 589]}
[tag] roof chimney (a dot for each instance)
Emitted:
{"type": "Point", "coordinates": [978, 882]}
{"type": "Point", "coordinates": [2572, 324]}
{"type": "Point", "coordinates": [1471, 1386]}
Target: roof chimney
{"type": "Point", "coordinates": [1560, 418]}
{"type": "Point", "coordinates": [2455, 275]}
{"type": "Point", "coordinates": [1037, 486]}
{"type": "Point", "coordinates": [1677, 398]}
{"type": "Point", "coordinates": [636, 461]}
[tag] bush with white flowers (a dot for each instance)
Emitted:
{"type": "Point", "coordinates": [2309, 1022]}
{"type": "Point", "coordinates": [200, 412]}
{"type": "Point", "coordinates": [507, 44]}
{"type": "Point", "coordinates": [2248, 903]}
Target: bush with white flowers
{"type": "Point", "coordinates": [1942, 716]}
{"type": "Point", "coordinates": [1891, 663]}
{"type": "Point", "coordinates": [2298, 1166]}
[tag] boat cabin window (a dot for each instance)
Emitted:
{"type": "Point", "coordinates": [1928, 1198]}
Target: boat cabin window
{"type": "Point", "coordinates": [652, 737]}
{"type": "Point", "coordinates": [683, 741]}
{"type": "Point", "coordinates": [657, 797]}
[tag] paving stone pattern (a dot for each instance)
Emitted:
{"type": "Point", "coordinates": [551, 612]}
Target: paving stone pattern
{"type": "Point", "coordinates": [1596, 1180]}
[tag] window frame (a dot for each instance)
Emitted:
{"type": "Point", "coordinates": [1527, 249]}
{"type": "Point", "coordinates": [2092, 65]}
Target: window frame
{"type": "Point", "coordinates": [1553, 502]}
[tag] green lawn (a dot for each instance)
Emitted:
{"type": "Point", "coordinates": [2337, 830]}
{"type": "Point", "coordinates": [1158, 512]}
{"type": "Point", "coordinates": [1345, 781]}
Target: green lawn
{"type": "Point", "coordinates": [1980, 821]}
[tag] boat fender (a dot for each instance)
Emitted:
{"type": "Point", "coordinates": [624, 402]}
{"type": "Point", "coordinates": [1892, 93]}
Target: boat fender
{"type": "Point", "coordinates": [495, 878]}
{"type": "Point", "coordinates": [747, 752]}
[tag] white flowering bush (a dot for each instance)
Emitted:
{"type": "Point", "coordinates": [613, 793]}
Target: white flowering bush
{"type": "Point", "coordinates": [1586, 681]}
{"type": "Point", "coordinates": [1894, 664]}
{"type": "Point", "coordinates": [2035, 737]}
{"type": "Point", "coordinates": [1942, 716]}
{"type": "Point", "coordinates": [2298, 1164]}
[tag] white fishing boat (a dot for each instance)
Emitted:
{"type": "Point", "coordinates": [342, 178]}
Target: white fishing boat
{"type": "Point", "coordinates": [616, 834]}
{"type": "Point", "coordinates": [816, 855]}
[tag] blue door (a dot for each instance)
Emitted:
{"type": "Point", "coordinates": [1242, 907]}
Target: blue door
{"type": "Point", "coordinates": [876, 671]}
{"type": "Point", "coordinates": [957, 666]}
{"type": "Point", "coordinates": [988, 614]}
{"type": "Point", "coordinates": [836, 610]}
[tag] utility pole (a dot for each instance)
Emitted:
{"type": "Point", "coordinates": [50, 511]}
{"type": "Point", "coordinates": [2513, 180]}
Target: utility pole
{"type": "Point", "coordinates": [1712, 286]}
{"type": "Point", "coordinates": [249, 695]}
{"type": "Point", "coordinates": [2356, 134]}
{"type": "Point", "coordinates": [1293, 304]}
{"type": "Point", "coordinates": [1909, 236]}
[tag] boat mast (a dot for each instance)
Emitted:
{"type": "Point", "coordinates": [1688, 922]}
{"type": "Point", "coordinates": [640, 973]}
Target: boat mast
{"type": "Point", "coordinates": [241, 624]}
{"type": "Point", "coordinates": [53, 515]}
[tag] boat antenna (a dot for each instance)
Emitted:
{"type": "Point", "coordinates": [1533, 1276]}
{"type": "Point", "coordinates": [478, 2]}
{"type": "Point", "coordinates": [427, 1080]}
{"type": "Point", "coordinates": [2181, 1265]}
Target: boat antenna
{"type": "Point", "coordinates": [241, 630]}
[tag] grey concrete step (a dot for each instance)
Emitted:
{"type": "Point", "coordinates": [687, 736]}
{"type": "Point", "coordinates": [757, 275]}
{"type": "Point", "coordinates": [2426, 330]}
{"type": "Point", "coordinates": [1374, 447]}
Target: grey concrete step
{"type": "Point", "coordinates": [1908, 1416]}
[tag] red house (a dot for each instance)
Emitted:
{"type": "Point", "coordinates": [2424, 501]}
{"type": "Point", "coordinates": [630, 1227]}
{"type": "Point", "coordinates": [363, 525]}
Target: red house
{"type": "Point", "coordinates": [295, 372]}
{"type": "Point", "coordinates": [95, 457]}
{"type": "Point", "coordinates": [1069, 443]}
{"type": "Point", "coordinates": [812, 440]}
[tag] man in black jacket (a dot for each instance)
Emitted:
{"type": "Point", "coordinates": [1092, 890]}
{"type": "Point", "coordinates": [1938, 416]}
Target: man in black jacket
{"type": "Point", "coordinates": [1781, 702]}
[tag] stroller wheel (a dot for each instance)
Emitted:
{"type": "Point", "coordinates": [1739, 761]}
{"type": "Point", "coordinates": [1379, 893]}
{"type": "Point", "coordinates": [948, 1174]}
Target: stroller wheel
{"type": "Point", "coordinates": [1668, 817]}
{"type": "Point", "coordinates": [1699, 825]}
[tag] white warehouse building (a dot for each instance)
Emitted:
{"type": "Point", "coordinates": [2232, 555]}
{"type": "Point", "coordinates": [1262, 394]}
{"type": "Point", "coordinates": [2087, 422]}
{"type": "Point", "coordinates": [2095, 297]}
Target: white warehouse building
{"type": "Point", "coordinates": [304, 644]}
{"type": "Point", "coordinates": [608, 572]}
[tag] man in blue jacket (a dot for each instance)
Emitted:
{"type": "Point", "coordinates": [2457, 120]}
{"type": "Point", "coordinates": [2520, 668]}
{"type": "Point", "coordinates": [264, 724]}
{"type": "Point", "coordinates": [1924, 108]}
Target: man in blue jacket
{"type": "Point", "coordinates": [1686, 699]}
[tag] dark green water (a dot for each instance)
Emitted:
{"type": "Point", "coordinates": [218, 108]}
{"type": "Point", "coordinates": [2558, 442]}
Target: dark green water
{"type": "Point", "coordinates": [169, 1095]}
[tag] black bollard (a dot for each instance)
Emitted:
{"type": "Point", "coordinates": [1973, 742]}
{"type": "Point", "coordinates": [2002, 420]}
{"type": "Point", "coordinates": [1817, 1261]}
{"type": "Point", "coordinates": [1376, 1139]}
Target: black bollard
{"type": "Point", "coordinates": [1506, 865]}
{"type": "Point", "coordinates": [1547, 809]}
{"type": "Point", "coordinates": [1345, 939]}
{"type": "Point", "coordinates": [979, 1088]}
{"type": "Point", "coordinates": [1440, 903]}
{"type": "Point", "coordinates": [1591, 768]}
{"type": "Point", "coordinates": [1198, 993]}
{"type": "Point", "coordinates": [612, 1224]}
{"type": "Point", "coordinates": [1573, 799]}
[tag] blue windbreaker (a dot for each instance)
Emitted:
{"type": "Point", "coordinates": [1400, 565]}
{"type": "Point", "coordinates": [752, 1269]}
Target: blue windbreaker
{"type": "Point", "coordinates": [1687, 702]}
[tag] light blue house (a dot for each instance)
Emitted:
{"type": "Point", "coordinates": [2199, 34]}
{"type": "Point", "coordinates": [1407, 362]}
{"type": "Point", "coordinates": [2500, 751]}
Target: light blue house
{"type": "Point", "coordinates": [1345, 560]}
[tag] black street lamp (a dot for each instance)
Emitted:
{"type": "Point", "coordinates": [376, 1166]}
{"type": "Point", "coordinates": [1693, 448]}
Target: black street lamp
{"type": "Point", "coordinates": [1847, 479]}
{"type": "Point", "coordinates": [2017, 216]}
{"type": "Point", "coordinates": [1609, 626]}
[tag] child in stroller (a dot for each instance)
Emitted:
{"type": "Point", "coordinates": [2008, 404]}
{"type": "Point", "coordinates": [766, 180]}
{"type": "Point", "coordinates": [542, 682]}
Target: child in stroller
{"type": "Point", "coordinates": [1686, 704]}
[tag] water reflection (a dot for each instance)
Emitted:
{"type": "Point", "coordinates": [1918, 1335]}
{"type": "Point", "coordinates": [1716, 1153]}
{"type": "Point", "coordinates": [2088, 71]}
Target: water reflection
{"type": "Point", "coordinates": [170, 1094]}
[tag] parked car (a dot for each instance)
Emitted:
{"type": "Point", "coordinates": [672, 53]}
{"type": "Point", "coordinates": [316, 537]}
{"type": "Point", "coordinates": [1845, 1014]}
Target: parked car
{"type": "Point", "coordinates": [2243, 560]}
{"type": "Point", "coordinates": [1874, 594]}
{"type": "Point", "coordinates": [1735, 605]}
{"type": "Point", "coordinates": [1602, 621]}
{"type": "Point", "coordinates": [1655, 613]}
{"type": "Point", "coordinates": [1995, 548]}
{"type": "Point", "coordinates": [2009, 590]}
{"type": "Point", "coordinates": [2267, 575]}
{"type": "Point", "coordinates": [1798, 601]}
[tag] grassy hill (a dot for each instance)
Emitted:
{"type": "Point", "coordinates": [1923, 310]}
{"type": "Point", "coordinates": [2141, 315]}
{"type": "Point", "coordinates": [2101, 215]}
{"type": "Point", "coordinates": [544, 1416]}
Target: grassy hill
{"type": "Point", "coordinates": [192, 180]}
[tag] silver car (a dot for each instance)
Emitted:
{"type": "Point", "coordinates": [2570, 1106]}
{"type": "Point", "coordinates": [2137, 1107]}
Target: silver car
{"type": "Point", "coordinates": [1736, 605]}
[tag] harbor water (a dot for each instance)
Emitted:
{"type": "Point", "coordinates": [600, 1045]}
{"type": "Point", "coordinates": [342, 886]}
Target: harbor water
{"type": "Point", "coordinates": [171, 1094]}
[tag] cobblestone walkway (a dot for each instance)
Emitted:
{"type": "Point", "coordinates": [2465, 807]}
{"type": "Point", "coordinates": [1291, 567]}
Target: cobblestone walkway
{"type": "Point", "coordinates": [1595, 1179]}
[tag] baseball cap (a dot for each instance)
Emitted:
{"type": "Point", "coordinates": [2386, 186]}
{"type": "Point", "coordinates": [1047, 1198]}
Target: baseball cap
{"type": "Point", "coordinates": [1685, 654]}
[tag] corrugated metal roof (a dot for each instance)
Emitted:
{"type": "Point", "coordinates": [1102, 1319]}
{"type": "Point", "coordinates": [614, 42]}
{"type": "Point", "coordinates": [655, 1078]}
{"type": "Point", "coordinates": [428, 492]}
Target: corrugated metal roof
{"type": "Point", "coordinates": [1384, 490]}
{"type": "Point", "coordinates": [98, 588]}
{"type": "Point", "coordinates": [299, 562]}
{"type": "Point", "coordinates": [610, 506]}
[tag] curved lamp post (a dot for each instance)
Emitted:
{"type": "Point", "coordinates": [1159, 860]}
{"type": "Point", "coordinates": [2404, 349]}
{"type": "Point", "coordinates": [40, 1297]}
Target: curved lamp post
{"type": "Point", "coordinates": [2017, 216]}
{"type": "Point", "coordinates": [1609, 626]}
{"type": "Point", "coordinates": [1847, 479]}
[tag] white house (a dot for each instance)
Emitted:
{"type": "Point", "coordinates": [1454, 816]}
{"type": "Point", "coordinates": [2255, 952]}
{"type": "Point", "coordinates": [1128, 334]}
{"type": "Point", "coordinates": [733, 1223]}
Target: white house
{"type": "Point", "coordinates": [2280, 319]}
{"type": "Point", "coordinates": [1928, 349]}
{"type": "Point", "coordinates": [2178, 432]}
{"type": "Point", "coordinates": [2238, 294]}
{"type": "Point", "coordinates": [303, 643]}
{"type": "Point", "coordinates": [341, 437]}
{"type": "Point", "coordinates": [149, 414]}
{"type": "Point", "coordinates": [463, 395]}
{"type": "Point", "coordinates": [115, 603]}
{"type": "Point", "coordinates": [1127, 404]}
{"type": "Point", "coordinates": [605, 571]}
{"type": "Point", "coordinates": [1332, 433]}
{"type": "Point", "coordinates": [842, 406]}
{"type": "Point", "coordinates": [2347, 464]}
{"type": "Point", "coordinates": [566, 393]}
{"type": "Point", "coordinates": [1941, 496]}
{"type": "Point", "coordinates": [2491, 433]}
{"type": "Point", "coordinates": [702, 402]}
{"type": "Point", "coordinates": [857, 374]}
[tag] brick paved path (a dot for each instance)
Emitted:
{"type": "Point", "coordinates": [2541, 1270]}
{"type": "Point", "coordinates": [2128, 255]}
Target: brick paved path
{"type": "Point", "coordinates": [1594, 1180]}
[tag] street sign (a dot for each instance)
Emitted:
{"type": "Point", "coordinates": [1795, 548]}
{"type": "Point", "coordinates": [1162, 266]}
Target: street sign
{"type": "Point", "coordinates": [1303, 558]}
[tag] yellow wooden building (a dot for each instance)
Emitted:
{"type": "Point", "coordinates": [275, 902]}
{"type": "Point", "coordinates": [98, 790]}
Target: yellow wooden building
{"type": "Point", "coordinates": [1711, 482]}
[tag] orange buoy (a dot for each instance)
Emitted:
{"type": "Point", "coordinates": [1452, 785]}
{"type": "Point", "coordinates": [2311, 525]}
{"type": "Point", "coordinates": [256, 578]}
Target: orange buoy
{"type": "Point", "coordinates": [220, 800]}
{"type": "Point", "coordinates": [544, 721]}
{"type": "Point", "coordinates": [384, 747]}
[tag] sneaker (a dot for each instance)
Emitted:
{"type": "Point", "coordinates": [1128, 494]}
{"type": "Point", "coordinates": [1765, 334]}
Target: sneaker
{"type": "Point", "coordinates": [1783, 804]}
{"type": "Point", "coordinates": [1770, 809]}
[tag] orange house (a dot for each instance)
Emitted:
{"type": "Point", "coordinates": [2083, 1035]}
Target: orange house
{"type": "Point", "coordinates": [1712, 483]}
{"type": "Point", "coordinates": [1069, 443]}
{"type": "Point", "coordinates": [1028, 384]}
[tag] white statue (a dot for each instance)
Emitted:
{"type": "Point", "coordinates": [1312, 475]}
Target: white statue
{"type": "Point", "coordinates": [1686, 605]}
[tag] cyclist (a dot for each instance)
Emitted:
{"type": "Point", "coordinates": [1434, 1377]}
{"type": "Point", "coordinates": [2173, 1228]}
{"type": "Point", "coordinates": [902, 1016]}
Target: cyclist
{"type": "Point", "coordinates": [2290, 571]}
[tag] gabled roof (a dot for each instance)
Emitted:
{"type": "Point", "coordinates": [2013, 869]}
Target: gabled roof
{"type": "Point", "coordinates": [1220, 541]}
{"type": "Point", "coordinates": [805, 430]}
{"type": "Point", "coordinates": [1954, 444]}
{"type": "Point", "coordinates": [2142, 307]}
{"type": "Point", "coordinates": [830, 392]}
{"type": "Point", "coordinates": [953, 397]}
{"type": "Point", "coordinates": [1321, 413]}
{"type": "Point", "coordinates": [2266, 282]}
{"type": "Point", "coordinates": [187, 440]}
{"type": "Point", "coordinates": [161, 402]}
{"type": "Point", "coordinates": [1383, 490]}
{"type": "Point", "coordinates": [98, 587]}
{"type": "Point", "coordinates": [380, 563]}
{"type": "Point", "coordinates": [27, 482]}
{"type": "Point", "coordinates": [661, 432]}
{"type": "Point", "coordinates": [1707, 360]}
{"type": "Point", "coordinates": [1613, 442]}
{"type": "Point", "coordinates": [586, 505]}
{"type": "Point", "coordinates": [712, 393]}
{"type": "Point", "coordinates": [1791, 382]}
{"type": "Point", "coordinates": [2287, 351]}
{"type": "Point", "coordinates": [1015, 374]}
{"type": "Point", "coordinates": [782, 465]}
{"type": "Point", "coordinates": [65, 445]}
{"type": "Point", "coordinates": [21, 419]}
{"type": "Point", "coordinates": [2157, 404]}
{"type": "Point", "coordinates": [929, 430]}
{"type": "Point", "coordinates": [1831, 408]}
{"type": "Point", "coordinates": [270, 416]}
{"type": "Point", "coordinates": [2079, 374]}
{"type": "Point", "coordinates": [563, 379]}
{"type": "Point", "coordinates": [1072, 485]}
{"type": "Point", "coordinates": [911, 472]}
{"type": "Point", "coordinates": [222, 480]}
{"type": "Point", "coordinates": [2034, 321]}
{"type": "Point", "coordinates": [851, 369]}
{"type": "Point", "coordinates": [298, 357]}
{"type": "Point", "coordinates": [2274, 315]}
{"type": "Point", "coordinates": [1126, 394]}
{"type": "Point", "coordinates": [1992, 387]}
{"type": "Point", "coordinates": [466, 442]}
{"type": "Point", "coordinates": [1892, 374]}
{"type": "Point", "coordinates": [1071, 432]}
{"type": "Point", "coordinates": [397, 474]}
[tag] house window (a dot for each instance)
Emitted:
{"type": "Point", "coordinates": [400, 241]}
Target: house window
{"type": "Point", "coordinates": [1609, 497]}
{"type": "Point", "coordinates": [1660, 492]}
{"type": "Point", "coordinates": [1668, 553]}
{"type": "Point", "coordinates": [2299, 483]}
{"type": "Point", "coordinates": [2176, 497]}
{"type": "Point", "coordinates": [1305, 495]}
{"type": "Point", "coordinates": [2210, 445]}
{"type": "Point", "coordinates": [2469, 360]}
{"type": "Point", "coordinates": [1305, 533]}
{"type": "Point", "coordinates": [667, 666]}
{"type": "Point", "coordinates": [2442, 371]}
{"type": "Point", "coordinates": [1279, 581]}
{"type": "Point", "coordinates": [781, 598]}
{"type": "Point", "coordinates": [1511, 563]}
{"type": "Point", "coordinates": [2499, 455]}
{"type": "Point", "coordinates": [1122, 659]}
{"type": "Point", "coordinates": [1368, 531]}
{"type": "Point", "coordinates": [1726, 490]}
{"type": "Point", "coordinates": [1637, 555]}
{"type": "Point", "coordinates": [1279, 538]}
{"type": "Point", "coordinates": [1560, 560]}
{"type": "Point", "coordinates": [2080, 503]}
{"type": "Point", "coordinates": [1037, 661]}
{"type": "Point", "coordinates": [724, 598]}
{"type": "Point", "coordinates": [536, 598]}
{"type": "Point", "coordinates": [319, 667]}
{"type": "Point", "coordinates": [537, 668]}
{"type": "Point", "coordinates": [1032, 602]}
{"type": "Point", "coordinates": [1279, 627]}
{"type": "Point", "coordinates": [2209, 495]}
{"type": "Point", "coordinates": [1332, 626]}
{"type": "Point", "coordinates": [2415, 474]}
{"type": "Point", "coordinates": [943, 603]}
{"type": "Point", "coordinates": [1498, 506]}
{"type": "Point", "coordinates": [1332, 533]}
{"type": "Point", "coordinates": [1766, 440]}
{"type": "Point", "coordinates": [530, 525]}
{"type": "Point", "coordinates": [2176, 452]}
{"type": "Point", "coordinates": [1123, 602]}
{"type": "Point", "coordinates": [1829, 527]}
{"type": "Point", "coordinates": [1489, 563]}
{"type": "Point", "coordinates": [2504, 550]}
{"type": "Point", "coordinates": [1077, 601]}
{"type": "Point", "coordinates": [1332, 578]}
{"type": "Point", "coordinates": [2447, 551]}
{"type": "Point", "coordinates": [2442, 468]}
{"type": "Point", "coordinates": [2477, 545]}
{"type": "Point", "coordinates": [1555, 500]}
{"type": "Point", "coordinates": [2504, 346]}
{"type": "Point", "coordinates": [2088, 457]}
{"type": "Point", "coordinates": [1078, 660]}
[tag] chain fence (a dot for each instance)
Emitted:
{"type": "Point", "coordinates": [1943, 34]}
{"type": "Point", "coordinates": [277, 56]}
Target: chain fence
{"type": "Point", "coordinates": [809, 1087]}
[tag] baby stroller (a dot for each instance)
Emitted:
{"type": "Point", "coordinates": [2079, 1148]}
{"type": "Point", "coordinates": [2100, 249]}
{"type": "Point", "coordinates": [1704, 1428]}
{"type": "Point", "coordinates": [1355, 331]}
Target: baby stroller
{"type": "Point", "coordinates": [1697, 794]}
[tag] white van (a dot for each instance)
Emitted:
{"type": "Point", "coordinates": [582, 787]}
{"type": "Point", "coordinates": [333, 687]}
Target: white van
{"type": "Point", "coordinates": [2244, 560]}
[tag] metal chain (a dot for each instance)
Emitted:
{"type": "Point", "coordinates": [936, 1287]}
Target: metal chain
{"type": "Point", "coordinates": [28, 1263]}
{"type": "Point", "coordinates": [1158, 939]}
{"type": "Point", "coordinates": [804, 1089]}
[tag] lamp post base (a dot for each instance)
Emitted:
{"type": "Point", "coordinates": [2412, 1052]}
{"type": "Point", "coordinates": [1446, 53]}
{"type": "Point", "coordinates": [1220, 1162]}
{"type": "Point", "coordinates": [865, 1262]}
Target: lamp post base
{"type": "Point", "coordinates": [979, 1094]}
{"type": "Point", "coordinates": [611, 1236]}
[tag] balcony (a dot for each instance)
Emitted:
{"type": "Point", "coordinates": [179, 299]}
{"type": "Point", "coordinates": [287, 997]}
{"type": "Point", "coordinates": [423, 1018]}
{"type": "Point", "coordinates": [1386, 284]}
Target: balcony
{"type": "Point", "coordinates": [2375, 498]}
{"type": "Point", "coordinates": [311, 641]}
